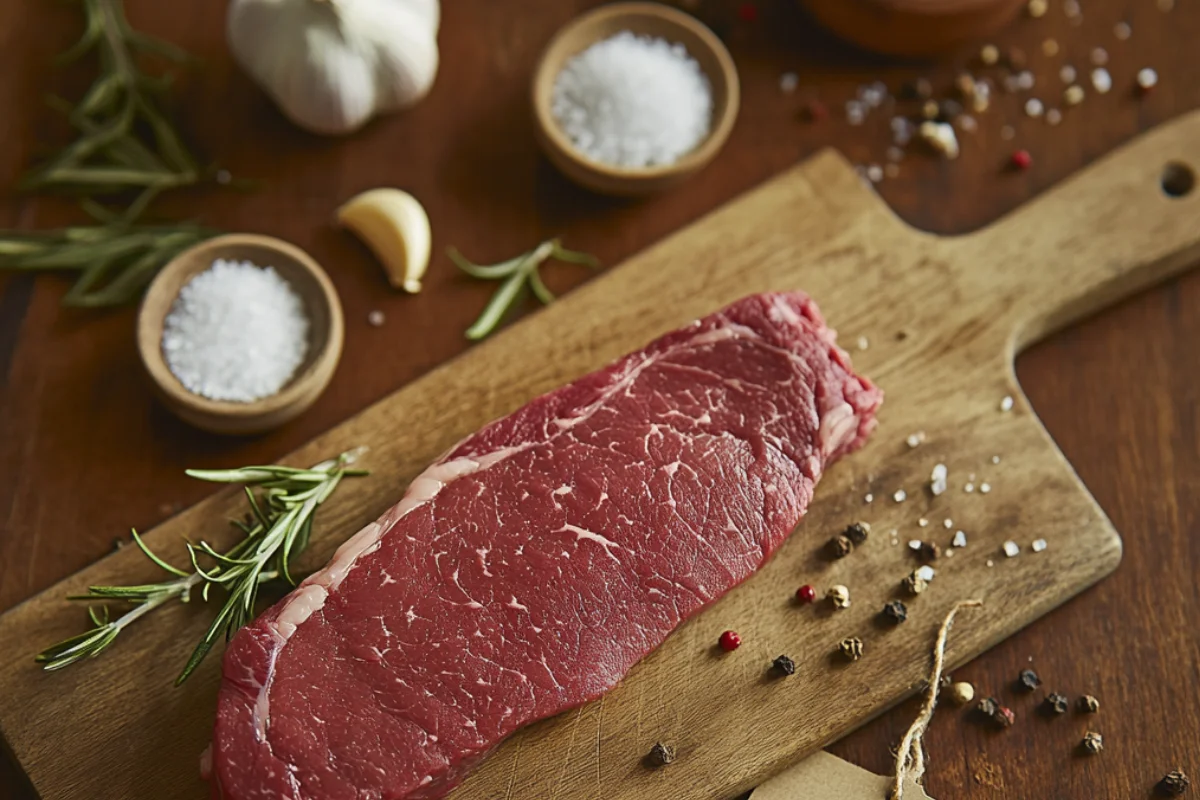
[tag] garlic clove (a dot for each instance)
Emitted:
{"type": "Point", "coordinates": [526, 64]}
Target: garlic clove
{"type": "Point", "coordinates": [396, 228]}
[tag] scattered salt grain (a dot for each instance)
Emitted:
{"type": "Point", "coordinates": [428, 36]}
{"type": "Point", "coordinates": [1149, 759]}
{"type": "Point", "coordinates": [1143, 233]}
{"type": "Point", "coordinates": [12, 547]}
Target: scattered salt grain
{"type": "Point", "coordinates": [633, 101]}
{"type": "Point", "coordinates": [989, 54]}
{"type": "Point", "coordinates": [1034, 107]}
{"type": "Point", "coordinates": [924, 523]}
{"type": "Point", "coordinates": [967, 123]}
{"type": "Point", "coordinates": [995, 459]}
{"type": "Point", "coordinates": [856, 112]}
{"type": "Point", "coordinates": [375, 318]}
{"type": "Point", "coordinates": [1067, 74]}
{"type": "Point", "coordinates": [914, 545]}
{"type": "Point", "coordinates": [1099, 56]}
{"type": "Point", "coordinates": [1012, 549]}
{"type": "Point", "coordinates": [937, 479]}
{"type": "Point", "coordinates": [788, 82]}
{"type": "Point", "coordinates": [991, 563]}
{"type": "Point", "coordinates": [902, 131]}
{"type": "Point", "coordinates": [925, 573]}
{"type": "Point", "coordinates": [1025, 80]}
{"type": "Point", "coordinates": [869, 498]}
{"type": "Point", "coordinates": [900, 496]}
{"type": "Point", "coordinates": [1147, 79]}
{"type": "Point", "coordinates": [1007, 403]}
{"type": "Point", "coordinates": [940, 137]}
{"type": "Point", "coordinates": [984, 488]}
{"type": "Point", "coordinates": [1101, 80]}
{"type": "Point", "coordinates": [1122, 31]}
{"type": "Point", "coordinates": [863, 343]}
{"type": "Point", "coordinates": [1050, 48]}
{"type": "Point", "coordinates": [1053, 116]}
{"type": "Point", "coordinates": [949, 554]}
{"type": "Point", "coordinates": [873, 95]}
{"type": "Point", "coordinates": [960, 539]}
{"type": "Point", "coordinates": [1038, 545]}
{"type": "Point", "coordinates": [237, 332]}
{"type": "Point", "coordinates": [1073, 95]}
{"type": "Point", "coordinates": [969, 488]}
{"type": "Point", "coordinates": [915, 439]}
{"type": "Point", "coordinates": [947, 523]}
{"type": "Point", "coordinates": [874, 175]}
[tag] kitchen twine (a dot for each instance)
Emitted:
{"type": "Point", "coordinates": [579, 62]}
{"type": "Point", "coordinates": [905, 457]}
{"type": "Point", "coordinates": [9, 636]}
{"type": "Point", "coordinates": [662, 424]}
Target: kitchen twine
{"type": "Point", "coordinates": [910, 758]}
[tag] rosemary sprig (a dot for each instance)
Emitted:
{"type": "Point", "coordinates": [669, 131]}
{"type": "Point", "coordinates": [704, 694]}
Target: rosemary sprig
{"type": "Point", "coordinates": [519, 276]}
{"type": "Point", "coordinates": [114, 262]}
{"type": "Point", "coordinates": [125, 142]}
{"type": "Point", "coordinates": [276, 531]}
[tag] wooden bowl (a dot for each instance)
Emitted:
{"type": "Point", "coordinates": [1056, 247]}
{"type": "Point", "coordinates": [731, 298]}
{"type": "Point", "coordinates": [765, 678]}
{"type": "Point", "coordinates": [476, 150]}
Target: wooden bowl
{"type": "Point", "coordinates": [326, 332]}
{"type": "Point", "coordinates": [649, 19]}
{"type": "Point", "coordinates": [913, 28]}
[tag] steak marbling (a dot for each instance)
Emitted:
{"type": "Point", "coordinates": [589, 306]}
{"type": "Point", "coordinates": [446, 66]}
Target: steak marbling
{"type": "Point", "coordinates": [526, 571]}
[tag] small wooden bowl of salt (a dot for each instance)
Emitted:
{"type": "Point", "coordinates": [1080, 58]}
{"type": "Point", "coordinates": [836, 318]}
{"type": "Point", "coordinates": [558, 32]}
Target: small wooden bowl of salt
{"type": "Point", "coordinates": [632, 98]}
{"type": "Point", "coordinates": [240, 333]}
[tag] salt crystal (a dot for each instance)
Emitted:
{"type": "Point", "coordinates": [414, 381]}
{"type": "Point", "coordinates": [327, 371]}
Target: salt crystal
{"type": "Point", "coordinates": [633, 101]}
{"type": "Point", "coordinates": [1122, 31]}
{"type": "Point", "coordinates": [875, 175]}
{"type": "Point", "coordinates": [1147, 79]}
{"type": "Point", "coordinates": [984, 488]}
{"type": "Point", "coordinates": [947, 523]}
{"type": "Point", "coordinates": [1053, 116]}
{"type": "Point", "coordinates": [1050, 48]}
{"type": "Point", "coordinates": [1012, 549]}
{"type": "Point", "coordinates": [960, 539]}
{"type": "Point", "coordinates": [375, 318]}
{"type": "Point", "coordinates": [856, 112]}
{"type": "Point", "coordinates": [925, 572]}
{"type": "Point", "coordinates": [937, 479]}
{"type": "Point", "coordinates": [1025, 80]}
{"type": "Point", "coordinates": [869, 498]}
{"type": "Point", "coordinates": [1034, 107]}
{"type": "Point", "coordinates": [1101, 80]}
{"type": "Point", "coordinates": [1007, 403]}
{"type": "Point", "coordinates": [991, 563]}
{"type": "Point", "coordinates": [969, 488]}
{"type": "Point", "coordinates": [915, 439]}
{"type": "Point", "coordinates": [237, 332]}
{"type": "Point", "coordinates": [923, 522]}
{"type": "Point", "coordinates": [1038, 545]}
{"type": "Point", "coordinates": [940, 136]}
{"type": "Point", "coordinates": [1099, 56]}
{"type": "Point", "coordinates": [788, 82]}
{"type": "Point", "coordinates": [967, 123]}
{"type": "Point", "coordinates": [995, 459]}
{"type": "Point", "coordinates": [1073, 95]}
{"type": "Point", "coordinates": [1067, 74]}
{"type": "Point", "coordinates": [914, 544]}
{"type": "Point", "coordinates": [900, 496]}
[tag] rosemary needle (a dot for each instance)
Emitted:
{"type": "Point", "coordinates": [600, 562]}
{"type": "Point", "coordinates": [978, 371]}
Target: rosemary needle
{"type": "Point", "coordinates": [519, 275]}
{"type": "Point", "coordinates": [276, 531]}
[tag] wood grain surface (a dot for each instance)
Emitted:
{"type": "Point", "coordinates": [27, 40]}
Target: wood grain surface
{"type": "Point", "coordinates": [86, 452]}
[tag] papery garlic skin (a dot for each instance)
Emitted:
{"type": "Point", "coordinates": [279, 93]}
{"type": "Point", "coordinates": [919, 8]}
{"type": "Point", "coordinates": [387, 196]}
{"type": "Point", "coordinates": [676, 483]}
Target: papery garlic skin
{"type": "Point", "coordinates": [332, 65]}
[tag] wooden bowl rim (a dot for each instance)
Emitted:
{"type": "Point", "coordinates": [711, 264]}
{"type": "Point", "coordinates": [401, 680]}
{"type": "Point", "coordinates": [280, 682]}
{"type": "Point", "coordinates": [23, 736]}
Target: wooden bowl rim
{"type": "Point", "coordinates": [296, 391]}
{"type": "Point", "coordinates": [703, 153]}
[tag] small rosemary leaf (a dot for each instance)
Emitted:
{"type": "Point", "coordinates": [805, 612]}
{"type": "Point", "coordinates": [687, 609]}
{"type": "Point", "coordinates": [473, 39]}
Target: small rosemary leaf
{"type": "Point", "coordinates": [150, 555]}
{"type": "Point", "coordinates": [490, 272]}
{"type": "Point", "coordinates": [98, 619]}
{"type": "Point", "coordinates": [502, 301]}
{"type": "Point", "coordinates": [539, 289]}
{"type": "Point", "coordinates": [574, 256]}
{"type": "Point", "coordinates": [151, 44]}
{"type": "Point", "coordinates": [168, 141]}
{"type": "Point", "coordinates": [91, 34]}
{"type": "Point", "coordinates": [98, 98]}
{"type": "Point", "coordinates": [98, 211]}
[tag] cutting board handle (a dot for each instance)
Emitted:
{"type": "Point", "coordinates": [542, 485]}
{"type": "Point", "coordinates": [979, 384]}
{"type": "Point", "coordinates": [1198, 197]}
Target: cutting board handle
{"type": "Point", "coordinates": [1124, 223]}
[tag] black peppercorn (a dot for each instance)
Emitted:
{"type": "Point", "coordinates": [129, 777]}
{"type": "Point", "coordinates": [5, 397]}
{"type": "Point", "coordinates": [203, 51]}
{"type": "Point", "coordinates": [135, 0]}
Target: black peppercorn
{"type": "Point", "coordinates": [1028, 680]}
{"type": "Point", "coordinates": [857, 533]}
{"type": "Point", "coordinates": [1055, 703]}
{"type": "Point", "coordinates": [1088, 704]}
{"type": "Point", "coordinates": [1092, 743]}
{"type": "Point", "coordinates": [1173, 784]}
{"type": "Point", "coordinates": [1004, 717]}
{"type": "Point", "coordinates": [949, 110]}
{"type": "Point", "coordinates": [784, 666]}
{"type": "Point", "coordinates": [895, 612]}
{"type": "Point", "coordinates": [840, 546]}
{"type": "Point", "coordinates": [661, 754]}
{"type": "Point", "coordinates": [851, 648]}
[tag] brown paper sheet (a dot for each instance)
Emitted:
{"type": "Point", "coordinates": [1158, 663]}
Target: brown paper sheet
{"type": "Point", "coordinates": [822, 776]}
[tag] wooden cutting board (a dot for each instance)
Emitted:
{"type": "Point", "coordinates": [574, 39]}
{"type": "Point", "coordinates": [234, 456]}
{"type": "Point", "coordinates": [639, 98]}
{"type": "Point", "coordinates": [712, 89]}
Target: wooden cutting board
{"type": "Point", "coordinates": [943, 318]}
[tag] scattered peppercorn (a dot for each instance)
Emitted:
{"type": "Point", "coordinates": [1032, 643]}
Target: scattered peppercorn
{"type": "Point", "coordinates": [1028, 680]}
{"type": "Point", "coordinates": [806, 594]}
{"type": "Point", "coordinates": [929, 110]}
{"type": "Point", "coordinates": [928, 551]}
{"type": "Point", "coordinates": [962, 693]}
{"type": "Point", "coordinates": [1004, 717]}
{"type": "Point", "coordinates": [839, 595]}
{"type": "Point", "coordinates": [1092, 743]}
{"type": "Point", "coordinates": [1055, 703]}
{"type": "Point", "coordinates": [661, 754]}
{"type": "Point", "coordinates": [988, 707]}
{"type": "Point", "coordinates": [989, 54]}
{"type": "Point", "coordinates": [851, 648]}
{"type": "Point", "coordinates": [857, 532]}
{"type": "Point", "coordinates": [914, 584]}
{"type": "Point", "coordinates": [1173, 784]}
{"type": "Point", "coordinates": [1021, 160]}
{"type": "Point", "coordinates": [784, 666]}
{"type": "Point", "coordinates": [840, 546]}
{"type": "Point", "coordinates": [1088, 704]}
{"type": "Point", "coordinates": [895, 612]}
{"type": "Point", "coordinates": [729, 641]}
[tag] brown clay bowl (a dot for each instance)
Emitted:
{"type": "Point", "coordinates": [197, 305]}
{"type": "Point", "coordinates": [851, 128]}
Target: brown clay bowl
{"type": "Point", "coordinates": [326, 332]}
{"type": "Point", "coordinates": [650, 19]}
{"type": "Point", "coordinates": [913, 28]}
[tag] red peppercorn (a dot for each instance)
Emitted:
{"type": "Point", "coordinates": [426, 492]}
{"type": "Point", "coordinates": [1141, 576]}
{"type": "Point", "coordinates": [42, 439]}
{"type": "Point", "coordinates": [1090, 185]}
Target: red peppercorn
{"type": "Point", "coordinates": [1022, 160]}
{"type": "Point", "coordinates": [729, 641]}
{"type": "Point", "coordinates": [806, 594]}
{"type": "Point", "coordinates": [748, 12]}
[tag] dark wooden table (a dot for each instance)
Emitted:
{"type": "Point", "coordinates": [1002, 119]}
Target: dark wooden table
{"type": "Point", "coordinates": [85, 451]}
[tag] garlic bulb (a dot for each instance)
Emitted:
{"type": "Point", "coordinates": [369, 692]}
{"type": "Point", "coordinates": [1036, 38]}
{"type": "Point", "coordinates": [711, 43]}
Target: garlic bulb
{"type": "Point", "coordinates": [331, 65]}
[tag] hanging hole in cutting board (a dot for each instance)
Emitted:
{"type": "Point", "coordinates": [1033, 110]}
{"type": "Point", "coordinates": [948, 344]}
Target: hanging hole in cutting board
{"type": "Point", "coordinates": [1177, 179]}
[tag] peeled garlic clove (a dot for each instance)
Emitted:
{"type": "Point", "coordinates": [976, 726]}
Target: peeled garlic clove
{"type": "Point", "coordinates": [396, 228]}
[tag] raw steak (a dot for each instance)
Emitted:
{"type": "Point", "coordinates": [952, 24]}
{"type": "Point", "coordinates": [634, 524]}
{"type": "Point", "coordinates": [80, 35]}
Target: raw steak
{"type": "Point", "coordinates": [527, 570]}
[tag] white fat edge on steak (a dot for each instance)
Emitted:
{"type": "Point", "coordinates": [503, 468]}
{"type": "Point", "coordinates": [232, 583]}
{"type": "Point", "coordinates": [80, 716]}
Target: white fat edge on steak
{"type": "Point", "coordinates": [836, 426]}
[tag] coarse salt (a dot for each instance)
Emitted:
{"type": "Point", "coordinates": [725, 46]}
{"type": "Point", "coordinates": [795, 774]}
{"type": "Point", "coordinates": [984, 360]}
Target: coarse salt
{"type": "Point", "coordinates": [869, 498]}
{"type": "Point", "coordinates": [924, 523]}
{"type": "Point", "coordinates": [1012, 549]}
{"type": "Point", "coordinates": [947, 523]}
{"type": "Point", "coordinates": [960, 539]}
{"type": "Point", "coordinates": [900, 496]}
{"type": "Point", "coordinates": [1101, 80]}
{"type": "Point", "coordinates": [937, 479]}
{"type": "Point", "coordinates": [925, 573]}
{"type": "Point", "coordinates": [1006, 404]}
{"type": "Point", "coordinates": [633, 101]}
{"type": "Point", "coordinates": [915, 439]}
{"type": "Point", "coordinates": [788, 82]}
{"type": "Point", "coordinates": [1038, 545]}
{"type": "Point", "coordinates": [237, 332]}
{"type": "Point", "coordinates": [985, 487]}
